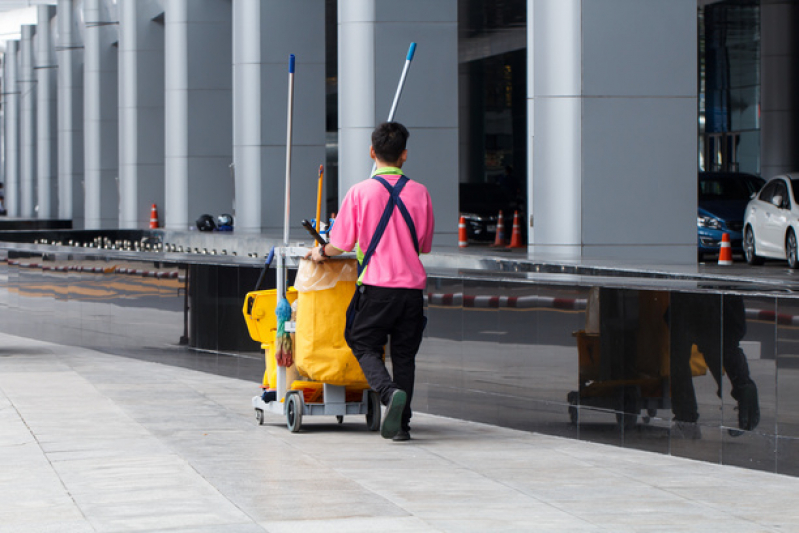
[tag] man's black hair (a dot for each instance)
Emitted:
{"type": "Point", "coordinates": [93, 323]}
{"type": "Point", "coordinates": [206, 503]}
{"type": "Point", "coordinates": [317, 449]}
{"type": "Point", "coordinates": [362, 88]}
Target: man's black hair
{"type": "Point", "coordinates": [388, 140]}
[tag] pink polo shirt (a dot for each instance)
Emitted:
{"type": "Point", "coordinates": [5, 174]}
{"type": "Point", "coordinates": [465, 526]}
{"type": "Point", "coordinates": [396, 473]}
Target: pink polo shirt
{"type": "Point", "coordinates": [394, 263]}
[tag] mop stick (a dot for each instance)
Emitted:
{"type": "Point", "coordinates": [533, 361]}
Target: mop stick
{"type": "Point", "coordinates": [290, 121]}
{"type": "Point", "coordinates": [289, 124]}
{"type": "Point", "coordinates": [319, 203]}
{"type": "Point", "coordinates": [400, 86]}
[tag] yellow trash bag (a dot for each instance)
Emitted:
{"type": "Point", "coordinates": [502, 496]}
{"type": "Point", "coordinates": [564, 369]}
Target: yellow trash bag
{"type": "Point", "coordinates": [320, 351]}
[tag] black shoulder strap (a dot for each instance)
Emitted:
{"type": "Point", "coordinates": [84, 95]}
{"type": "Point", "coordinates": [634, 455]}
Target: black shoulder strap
{"type": "Point", "coordinates": [393, 200]}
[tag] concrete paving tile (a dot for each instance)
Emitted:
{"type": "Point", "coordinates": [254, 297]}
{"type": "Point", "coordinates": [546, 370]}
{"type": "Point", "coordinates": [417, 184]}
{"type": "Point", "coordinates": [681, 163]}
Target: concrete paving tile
{"type": "Point", "coordinates": [43, 512]}
{"type": "Point", "coordinates": [226, 528]}
{"type": "Point", "coordinates": [43, 526]}
{"type": "Point", "coordinates": [142, 446]}
{"type": "Point", "coordinates": [322, 505]}
{"type": "Point", "coordinates": [392, 524]}
{"type": "Point", "coordinates": [480, 526]}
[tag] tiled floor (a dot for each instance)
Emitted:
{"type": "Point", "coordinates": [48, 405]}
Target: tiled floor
{"type": "Point", "coordinates": [95, 442]}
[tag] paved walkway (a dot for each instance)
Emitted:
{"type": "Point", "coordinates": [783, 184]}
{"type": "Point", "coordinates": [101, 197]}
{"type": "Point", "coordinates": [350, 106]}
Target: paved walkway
{"type": "Point", "coordinates": [94, 442]}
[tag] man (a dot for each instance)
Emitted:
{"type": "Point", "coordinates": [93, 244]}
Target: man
{"type": "Point", "coordinates": [390, 220]}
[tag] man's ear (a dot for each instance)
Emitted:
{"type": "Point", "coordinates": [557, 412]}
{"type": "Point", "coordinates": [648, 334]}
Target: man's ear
{"type": "Point", "coordinates": [372, 152]}
{"type": "Point", "coordinates": [403, 156]}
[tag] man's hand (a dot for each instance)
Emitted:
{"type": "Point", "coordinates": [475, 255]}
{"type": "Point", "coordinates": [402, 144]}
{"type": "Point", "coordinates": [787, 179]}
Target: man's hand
{"type": "Point", "coordinates": [315, 255]}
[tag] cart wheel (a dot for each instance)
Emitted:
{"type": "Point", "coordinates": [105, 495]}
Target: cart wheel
{"type": "Point", "coordinates": [259, 416]}
{"type": "Point", "coordinates": [373, 411]}
{"type": "Point", "coordinates": [294, 413]}
{"type": "Point", "coordinates": [340, 419]}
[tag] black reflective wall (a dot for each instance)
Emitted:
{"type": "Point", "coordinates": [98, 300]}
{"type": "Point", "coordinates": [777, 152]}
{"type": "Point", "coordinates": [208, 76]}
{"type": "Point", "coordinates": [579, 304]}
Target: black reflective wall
{"type": "Point", "coordinates": [705, 374]}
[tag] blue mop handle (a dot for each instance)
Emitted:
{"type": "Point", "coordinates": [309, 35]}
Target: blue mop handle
{"type": "Point", "coordinates": [411, 50]}
{"type": "Point", "coordinates": [408, 59]}
{"type": "Point", "coordinates": [400, 85]}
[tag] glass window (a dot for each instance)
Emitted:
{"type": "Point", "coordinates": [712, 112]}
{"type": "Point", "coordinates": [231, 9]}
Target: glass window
{"type": "Point", "coordinates": [768, 191]}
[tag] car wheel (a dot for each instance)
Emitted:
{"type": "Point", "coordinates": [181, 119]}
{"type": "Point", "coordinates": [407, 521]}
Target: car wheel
{"type": "Point", "coordinates": [749, 248]}
{"type": "Point", "coordinates": [791, 249]}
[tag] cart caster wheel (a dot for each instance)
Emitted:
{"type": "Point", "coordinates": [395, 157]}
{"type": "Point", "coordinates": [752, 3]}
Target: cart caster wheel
{"type": "Point", "coordinates": [294, 413]}
{"type": "Point", "coordinates": [340, 419]}
{"type": "Point", "coordinates": [373, 411]}
{"type": "Point", "coordinates": [259, 416]}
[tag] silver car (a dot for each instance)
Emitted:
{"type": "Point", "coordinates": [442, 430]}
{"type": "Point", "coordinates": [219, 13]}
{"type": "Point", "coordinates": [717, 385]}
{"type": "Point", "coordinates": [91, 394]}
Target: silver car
{"type": "Point", "coordinates": [771, 222]}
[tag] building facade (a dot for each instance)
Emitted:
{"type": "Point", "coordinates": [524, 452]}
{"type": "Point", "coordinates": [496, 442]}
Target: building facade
{"type": "Point", "coordinates": [599, 112]}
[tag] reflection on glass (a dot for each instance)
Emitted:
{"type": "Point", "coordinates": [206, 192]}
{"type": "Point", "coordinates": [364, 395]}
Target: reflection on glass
{"type": "Point", "coordinates": [706, 330]}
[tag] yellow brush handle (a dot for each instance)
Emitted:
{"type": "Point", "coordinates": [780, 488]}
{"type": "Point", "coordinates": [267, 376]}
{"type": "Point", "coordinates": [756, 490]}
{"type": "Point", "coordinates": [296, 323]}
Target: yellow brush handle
{"type": "Point", "coordinates": [319, 202]}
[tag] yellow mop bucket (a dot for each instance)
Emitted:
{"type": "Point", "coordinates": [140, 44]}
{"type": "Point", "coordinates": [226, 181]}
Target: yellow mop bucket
{"type": "Point", "coordinates": [259, 314]}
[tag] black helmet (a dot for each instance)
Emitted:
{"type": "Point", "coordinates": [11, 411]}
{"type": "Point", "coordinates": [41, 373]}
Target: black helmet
{"type": "Point", "coordinates": [224, 222]}
{"type": "Point", "coordinates": [206, 223]}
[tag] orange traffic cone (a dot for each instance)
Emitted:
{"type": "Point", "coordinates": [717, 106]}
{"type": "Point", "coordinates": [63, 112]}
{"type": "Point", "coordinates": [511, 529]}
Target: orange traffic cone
{"type": "Point", "coordinates": [516, 236]}
{"type": "Point", "coordinates": [153, 217]}
{"type": "Point", "coordinates": [725, 252]}
{"type": "Point", "coordinates": [463, 239]}
{"type": "Point", "coordinates": [500, 239]}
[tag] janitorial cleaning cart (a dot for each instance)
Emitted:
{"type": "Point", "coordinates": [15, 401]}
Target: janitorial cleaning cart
{"type": "Point", "coordinates": [310, 370]}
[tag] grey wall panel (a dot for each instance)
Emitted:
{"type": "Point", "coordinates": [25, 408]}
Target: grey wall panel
{"type": "Point", "coordinates": [47, 115]}
{"type": "Point", "coordinates": [27, 123]}
{"type": "Point", "coordinates": [309, 108]}
{"type": "Point", "coordinates": [265, 33]}
{"type": "Point", "coordinates": [427, 100]}
{"type": "Point", "coordinates": [408, 11]}
{"type": "Point", "coordinates": [141, 111]}
{"type": "Point", "coordinates": [602, 150]}
{"type": "Point", "coordinates": [373, 41]}
{"type": "Point", "coordinates": [639, 182]}
{"type": "Point", "coordinates": [101, 111]}
{"type": "Point", "coordinates": [69, 54]}
{"type": "Point", "coordinates": [438, 175]}
{"type": "Point", "coordinates": [197, 110]}
{"type": "Point", "coordinates": [11, 125]}
{"type": "Point", "coordinates": [639, 47]}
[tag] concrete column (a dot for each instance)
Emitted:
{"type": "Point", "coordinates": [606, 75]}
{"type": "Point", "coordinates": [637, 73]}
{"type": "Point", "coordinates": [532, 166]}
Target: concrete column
{"type": "Point", "coordinates": [198, 123]}
{"type": "Point", "coordinates": [46, 114]}
{"type": "Point", "coordinates": [11, 130]}
{"type": "Point", "coordinates": [779, 103]}
{"type": "Point", "coordinates": [27, 126]}
{"type": "Point", "coordinates": [374, 36]}
{"type": "Point", "coordinates": [141, 111]}
{"type": "Point", "coordinates": [100, 115]}
{"type": "Point", "coordinates": [69, 53]}
{"type": "Point", "coordinates": [613, 118]}
{"type": "Point", "coordinates": [265, 33]}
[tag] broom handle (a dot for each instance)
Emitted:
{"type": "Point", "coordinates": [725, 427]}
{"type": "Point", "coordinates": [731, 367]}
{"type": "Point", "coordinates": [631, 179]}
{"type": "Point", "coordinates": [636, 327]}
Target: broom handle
{"type": "Point", "coordinates": [319, 202]}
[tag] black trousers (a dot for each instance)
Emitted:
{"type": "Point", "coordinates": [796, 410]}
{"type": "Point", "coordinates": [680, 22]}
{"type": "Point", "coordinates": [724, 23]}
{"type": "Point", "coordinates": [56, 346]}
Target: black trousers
{"type": "Point", "coordinates": [373, 315]}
